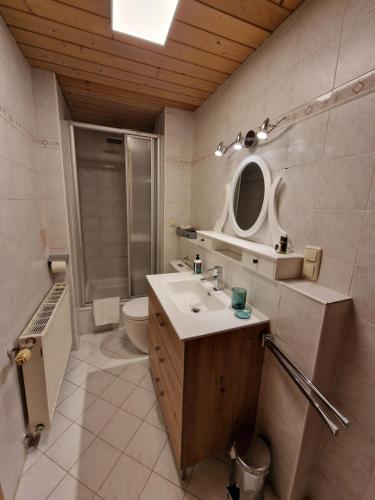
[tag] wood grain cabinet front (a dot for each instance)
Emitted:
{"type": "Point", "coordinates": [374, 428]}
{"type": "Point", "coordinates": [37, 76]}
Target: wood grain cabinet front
{"type": "Point", "coordinates": [207, 387]}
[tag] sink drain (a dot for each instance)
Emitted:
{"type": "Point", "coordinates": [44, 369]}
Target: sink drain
{"type": "Point", "coordinates": [195, 310]}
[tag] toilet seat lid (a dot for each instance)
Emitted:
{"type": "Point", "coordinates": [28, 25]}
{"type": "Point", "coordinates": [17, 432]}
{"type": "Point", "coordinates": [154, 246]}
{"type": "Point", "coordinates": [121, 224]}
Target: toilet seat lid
{"type": "Point", "coordinates": [136, 309]}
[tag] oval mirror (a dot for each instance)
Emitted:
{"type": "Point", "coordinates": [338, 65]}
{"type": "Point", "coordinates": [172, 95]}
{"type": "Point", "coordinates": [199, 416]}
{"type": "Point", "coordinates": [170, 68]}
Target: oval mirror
{"type": "Point", "coordinates": [249, 196]}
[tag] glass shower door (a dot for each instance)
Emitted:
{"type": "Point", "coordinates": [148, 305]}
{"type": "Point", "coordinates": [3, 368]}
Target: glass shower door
{"type": "Point", "coordinates": [140, 166]}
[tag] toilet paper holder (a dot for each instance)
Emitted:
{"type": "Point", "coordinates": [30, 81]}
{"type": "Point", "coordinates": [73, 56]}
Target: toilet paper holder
{"type": "Point", "coordinates": [51, 258]}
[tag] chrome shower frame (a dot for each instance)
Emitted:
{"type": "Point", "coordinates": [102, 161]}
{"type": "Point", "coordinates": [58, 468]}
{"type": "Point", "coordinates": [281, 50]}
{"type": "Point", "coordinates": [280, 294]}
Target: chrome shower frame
{"type": "Point", "coordinates": [75, 222]}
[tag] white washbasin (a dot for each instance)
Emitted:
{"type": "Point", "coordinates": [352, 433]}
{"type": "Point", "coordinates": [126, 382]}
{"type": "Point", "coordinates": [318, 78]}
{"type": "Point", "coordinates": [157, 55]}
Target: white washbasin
{"type": "Point", "coordinates": [192, 297]}
{"type": "Point", "coordinates": [179, 293]}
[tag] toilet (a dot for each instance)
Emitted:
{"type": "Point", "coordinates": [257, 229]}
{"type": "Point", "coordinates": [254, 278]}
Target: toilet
{"type": "Point", "coordinates": [136, 322]}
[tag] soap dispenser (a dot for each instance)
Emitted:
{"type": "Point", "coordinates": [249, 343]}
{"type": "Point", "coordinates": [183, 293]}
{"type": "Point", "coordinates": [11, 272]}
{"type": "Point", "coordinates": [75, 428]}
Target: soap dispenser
{"type": "Point", "coordinates": [197, 265]}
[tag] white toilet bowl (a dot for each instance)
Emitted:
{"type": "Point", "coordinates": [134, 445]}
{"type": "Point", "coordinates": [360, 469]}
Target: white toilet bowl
{"type": "Point", "coordinates": [136, 322]}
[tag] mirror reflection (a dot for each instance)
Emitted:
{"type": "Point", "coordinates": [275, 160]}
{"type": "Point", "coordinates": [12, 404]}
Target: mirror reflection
{"type": "Point", "coordinates": [248, 196]}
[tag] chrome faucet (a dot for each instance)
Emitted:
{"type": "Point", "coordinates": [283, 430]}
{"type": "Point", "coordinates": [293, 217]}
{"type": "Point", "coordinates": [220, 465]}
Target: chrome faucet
{"type": "Point", "coordinates": [216, 278]}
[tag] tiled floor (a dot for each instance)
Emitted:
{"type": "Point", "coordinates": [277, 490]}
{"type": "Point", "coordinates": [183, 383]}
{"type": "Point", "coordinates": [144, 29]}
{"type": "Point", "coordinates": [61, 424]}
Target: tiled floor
{"type": "Point", "coordinates": [108, 439]}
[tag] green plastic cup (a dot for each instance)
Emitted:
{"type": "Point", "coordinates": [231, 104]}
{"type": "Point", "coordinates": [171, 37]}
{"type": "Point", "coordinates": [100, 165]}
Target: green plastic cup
{"type": "Point", "coordinates": [239, 298]}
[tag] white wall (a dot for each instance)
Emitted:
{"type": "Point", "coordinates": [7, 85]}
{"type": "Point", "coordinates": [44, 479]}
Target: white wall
{"type": "Point", "coordinates": [327, 161]}
{"type": "Point", "coordinates": [24, 277]}
{"type": "Point", "coordinates": [178, 154]}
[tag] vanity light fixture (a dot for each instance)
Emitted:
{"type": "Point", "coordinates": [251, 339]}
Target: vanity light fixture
{"type": "Point", "coordinates": [149, 20]}
{"type": "Point", "coordinates": [267, 127]}
{"type": "Point", "coordinates": [238, 142]}
{"type": "Point", "coordinates": [221, 149]}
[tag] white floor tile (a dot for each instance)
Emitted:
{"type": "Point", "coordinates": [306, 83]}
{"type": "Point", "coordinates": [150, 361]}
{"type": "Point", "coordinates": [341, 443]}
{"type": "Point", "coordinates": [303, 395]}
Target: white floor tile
{"type": "Point", "coordinates": [95, 464]}
{"type": "Point", "coordinates": [95, 338]}
{"type": "Point", "coordinates": [134, 373]}
{"type": "Point", "coordinates": [147, 444]}
{"type": "Point", "coordinates": [147, 383]}
{"type": "Point", "coordinates": [116, 364]}
{"type": "Point", "coordinates": [126, 481]}
{"type": "Point", "coordinates": [120, 429]}
{"type": "Point", "coordinates": [158, 488]}
{"type": "Point", "coordinates": [38, 482]}
{"type": "Point", "coordinates": [118, 392]}
{"type": "Point", "coordinates": [79, 374]}
{"type": "Point", "coordinates": [32, 455]}
{"type": "Point", "coordinates": [155, 417]}
{"type": "Point", "coordinates": [99, 357]}
{"type": "Point", "coordinates": [71, 489]}
{"type": "Point", "coordinates": [84, 350]}
{"type": "Point", "coordinates": [72, 363]}
{"type": "Point", "coordinates": [66, 389]}
{"type": "Point", "coordinates": [75, 404]}
{"type": "Point", "coordinates": [166, 467]}
{"type": "Point", "coordinates": [70, 446]}
{"type": "Point", "coordinates": [210, 479]}
{"type": "Point", "coordinates": [139, 402]}
{"type": "Point", "coordinates": [97, 381]}
{"type": "Point", "coordinates": [59, 425]}
{"type": "Point", "coordinates": [97, 416]}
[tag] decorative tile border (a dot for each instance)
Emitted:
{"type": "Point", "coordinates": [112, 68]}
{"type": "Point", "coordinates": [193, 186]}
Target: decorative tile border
{"type": "Point", "coordinates": [48, 143]}
{"type": "Point", "coordinates": [178, 161]}
{"type": "Point", "coordinates": [12, 119]}
{"type": "Point", "coordinates": [355, 89]}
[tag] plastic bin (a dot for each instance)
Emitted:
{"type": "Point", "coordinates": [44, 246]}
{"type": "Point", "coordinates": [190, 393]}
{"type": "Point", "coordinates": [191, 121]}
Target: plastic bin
{"type": "Point", "coordinates": [249, 471]}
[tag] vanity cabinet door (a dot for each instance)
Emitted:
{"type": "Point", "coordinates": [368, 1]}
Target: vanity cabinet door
{"type": "Point", "coordinates": [173, 345]}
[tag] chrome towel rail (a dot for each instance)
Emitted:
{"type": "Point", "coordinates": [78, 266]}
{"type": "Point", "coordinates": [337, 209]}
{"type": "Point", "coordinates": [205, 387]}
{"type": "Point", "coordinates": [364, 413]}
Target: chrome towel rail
{"type": "Point", "coordinates": [312, 394]}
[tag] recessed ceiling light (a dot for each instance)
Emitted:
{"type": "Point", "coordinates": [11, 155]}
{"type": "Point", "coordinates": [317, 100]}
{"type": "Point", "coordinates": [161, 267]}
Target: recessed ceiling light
{"type": "Point", "coordinates": [146, 19]}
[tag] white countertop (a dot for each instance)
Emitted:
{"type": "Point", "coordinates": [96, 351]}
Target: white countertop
{"type": "Point", "coordinates": [191, 326]}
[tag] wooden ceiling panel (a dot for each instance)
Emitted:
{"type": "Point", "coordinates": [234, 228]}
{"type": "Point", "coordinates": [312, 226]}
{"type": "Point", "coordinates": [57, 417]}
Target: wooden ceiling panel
{"type": "Point", "coordinates": [114, 79]}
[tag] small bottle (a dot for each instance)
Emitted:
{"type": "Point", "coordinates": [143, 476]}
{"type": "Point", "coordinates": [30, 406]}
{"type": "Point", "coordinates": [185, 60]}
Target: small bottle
{"type": "Point", "coordinates": [197, 265]}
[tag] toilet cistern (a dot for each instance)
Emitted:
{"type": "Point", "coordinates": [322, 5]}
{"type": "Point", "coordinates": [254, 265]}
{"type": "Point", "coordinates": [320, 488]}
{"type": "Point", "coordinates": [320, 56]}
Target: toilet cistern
{"type": "Point", "coordinates": [217, 277]}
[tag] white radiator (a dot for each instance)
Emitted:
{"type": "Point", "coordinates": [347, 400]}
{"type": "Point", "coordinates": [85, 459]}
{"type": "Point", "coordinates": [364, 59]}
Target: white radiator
{"type": "Point", "coordinates": [50, 327]}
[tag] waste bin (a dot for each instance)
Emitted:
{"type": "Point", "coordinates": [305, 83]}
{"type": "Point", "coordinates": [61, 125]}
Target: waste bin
{"type": "Point", "coordinates": [249, 471]}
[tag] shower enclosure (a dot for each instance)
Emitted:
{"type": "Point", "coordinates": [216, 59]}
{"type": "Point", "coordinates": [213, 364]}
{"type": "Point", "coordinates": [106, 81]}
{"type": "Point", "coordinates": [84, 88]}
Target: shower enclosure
{"type": "Point", "coordinates": [115, 177]}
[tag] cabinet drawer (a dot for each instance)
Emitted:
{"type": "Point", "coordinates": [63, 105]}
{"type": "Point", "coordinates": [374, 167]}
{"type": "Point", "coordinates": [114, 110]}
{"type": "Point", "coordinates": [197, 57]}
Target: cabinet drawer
{"type": "Point", "coordinates": [172, 344]}
{"type": "Point", "coordinates": [259, 264]}
{"type": "Point", "coordinates": [174, 425]}
{"type": "Point", "coordinates": [169, 380]}
{"type": "Point", "coordinates": [203, 241]}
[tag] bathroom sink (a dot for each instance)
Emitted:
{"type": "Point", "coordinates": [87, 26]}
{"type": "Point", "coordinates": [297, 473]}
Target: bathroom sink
{"type": "Point", "coordinates": [192, 297]}
{"type": "Point", "coordinates": [194, 308]}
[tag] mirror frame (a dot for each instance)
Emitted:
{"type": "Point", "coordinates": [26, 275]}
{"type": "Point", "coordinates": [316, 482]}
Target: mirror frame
{"type": "Point", "coordinates": [245, 233]}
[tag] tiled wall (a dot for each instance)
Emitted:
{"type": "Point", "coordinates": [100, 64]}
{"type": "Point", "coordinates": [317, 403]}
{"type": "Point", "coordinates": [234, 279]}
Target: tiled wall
{"type": "Point", "coordinates": [24, 277]}
{"type": "Point", "coordinates": [327, 162]}
{"type": "Point", "coordinates": [177, 127]}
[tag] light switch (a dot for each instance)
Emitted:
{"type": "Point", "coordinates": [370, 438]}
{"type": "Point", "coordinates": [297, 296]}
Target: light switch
{"type": "Point", "coordinates": [308, 270]}
{"type": "Point", "coordinates": [311, 262]}
{"type": "Point", "coordinates": [311, 254]}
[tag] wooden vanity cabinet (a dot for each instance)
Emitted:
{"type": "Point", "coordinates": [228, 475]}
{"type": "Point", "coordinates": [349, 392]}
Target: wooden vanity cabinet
{"type": "Point", "coordinates": [207, 387]}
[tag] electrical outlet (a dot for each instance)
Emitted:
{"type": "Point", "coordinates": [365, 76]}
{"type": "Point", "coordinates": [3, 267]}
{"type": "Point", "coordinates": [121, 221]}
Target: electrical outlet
{"type": "Point", "coordinates": [311, 262]}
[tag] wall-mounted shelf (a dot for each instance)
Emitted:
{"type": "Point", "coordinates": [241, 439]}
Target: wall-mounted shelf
{"type": "Point", "coordinates": [258, 257]}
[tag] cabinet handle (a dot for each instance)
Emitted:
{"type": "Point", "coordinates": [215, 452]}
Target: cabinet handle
{"type": "Point", "coordinates": [160, 392]}
{"type": "Point", "coordinates": [157, 349]}
{"type": "Point", "coordinates": [255, 261]}
{"type": "Point", "coordinates": [159, 319]}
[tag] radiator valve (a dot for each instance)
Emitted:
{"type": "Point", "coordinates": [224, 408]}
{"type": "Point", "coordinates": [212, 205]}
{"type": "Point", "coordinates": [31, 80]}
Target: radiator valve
{"type": "Point", "coordinates": [22, 353]}
{"type": "Point", "coordinates": [22, 357]}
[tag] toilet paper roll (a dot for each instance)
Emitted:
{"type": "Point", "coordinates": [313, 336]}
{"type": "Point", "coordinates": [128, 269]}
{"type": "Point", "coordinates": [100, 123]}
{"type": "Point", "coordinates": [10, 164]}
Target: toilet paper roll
{"type": "Point", "coordinates": [58, 266]}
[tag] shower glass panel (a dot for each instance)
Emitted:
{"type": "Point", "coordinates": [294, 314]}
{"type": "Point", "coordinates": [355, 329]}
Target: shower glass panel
{"type": "Point", "coordinates": [114, 178]}
{"type": "Point", "coordinates": [101, 188]}
{"type": "Point", "coordinates": [140, 175]}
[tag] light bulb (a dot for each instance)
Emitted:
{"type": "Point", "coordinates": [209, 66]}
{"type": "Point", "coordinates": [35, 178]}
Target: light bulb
{"type": "Point", "coordinates": [262, 134]}
{"type": "Point", "coordinates": [238, 142]}
{"type": "Point", "coordinates": [220, 149]}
